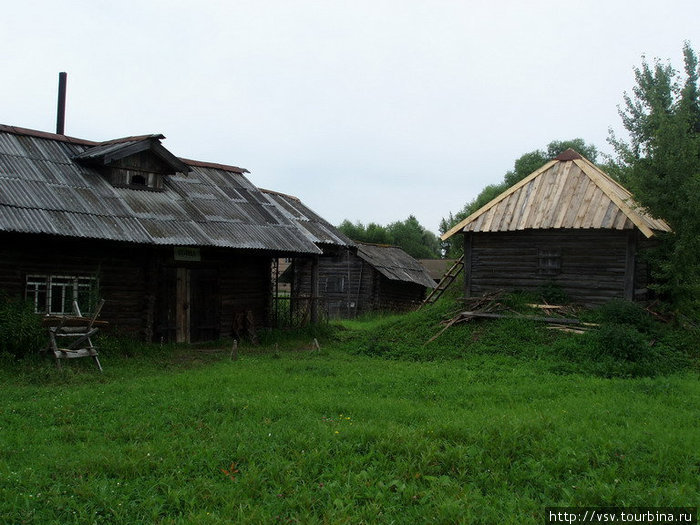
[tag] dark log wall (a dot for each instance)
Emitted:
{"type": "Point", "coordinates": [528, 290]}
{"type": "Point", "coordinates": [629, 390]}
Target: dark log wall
{"type": "Point", "coordinates": [339, 273]}
{"type": "Point", "coordinates": [398, 295]}
{"type": "Point", "coordinates": [133, 280]}
{"type": "Point", "coordinates": [246, 284]}
{"type": "Point", "coordinates": [589, 265]}
{"type": "Point", "coordinates": [363, 288]}
{"type": "Point", "coordinates": [122, 277]}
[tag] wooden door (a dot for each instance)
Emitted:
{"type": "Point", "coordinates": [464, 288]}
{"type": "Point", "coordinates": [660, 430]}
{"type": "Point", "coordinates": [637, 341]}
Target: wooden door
{"type": "Point", "coordinates": [204, 305]}
{"type": "Point", "coordinates": [188, 305]}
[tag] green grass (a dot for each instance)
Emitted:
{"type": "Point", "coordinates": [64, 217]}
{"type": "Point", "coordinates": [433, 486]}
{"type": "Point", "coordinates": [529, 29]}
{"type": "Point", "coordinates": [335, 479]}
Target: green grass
{"type": "Point", "coordinates": [486, 434]}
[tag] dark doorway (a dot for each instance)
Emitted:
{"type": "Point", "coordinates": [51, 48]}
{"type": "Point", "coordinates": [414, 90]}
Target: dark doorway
{"type": "Point", "coordinates": [188, 305]}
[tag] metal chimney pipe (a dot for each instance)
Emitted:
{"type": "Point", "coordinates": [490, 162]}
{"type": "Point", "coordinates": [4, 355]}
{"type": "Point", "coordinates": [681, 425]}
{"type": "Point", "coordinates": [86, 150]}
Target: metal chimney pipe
{"type": "Point", "coordinates": [61, 112]}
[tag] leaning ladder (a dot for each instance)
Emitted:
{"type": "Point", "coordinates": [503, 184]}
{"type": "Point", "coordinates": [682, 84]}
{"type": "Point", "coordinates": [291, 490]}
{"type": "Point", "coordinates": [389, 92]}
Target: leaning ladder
{"type": "Point", "coordinates": [445, 282]}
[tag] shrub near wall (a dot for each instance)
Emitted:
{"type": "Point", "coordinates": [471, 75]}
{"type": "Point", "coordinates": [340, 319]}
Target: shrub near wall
{"type": "Point", "coordinates": [20, 328]}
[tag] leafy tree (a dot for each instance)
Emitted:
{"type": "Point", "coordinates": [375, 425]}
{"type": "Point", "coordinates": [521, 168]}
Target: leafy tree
{"type": "Point", "coordinates": [660, 162]}
{"type": "Point", "coordinates": [415, 240]}
{"type": "Point", "coordinates": [523, 166]}
{"type": "Point", "coordinates": [408, 235]}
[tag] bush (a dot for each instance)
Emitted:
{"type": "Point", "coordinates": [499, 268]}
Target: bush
{"type": "Point", "coordinates": [21, 333]}
{"type": "Point", "coordinates": [621, 341]}
{"type": "Point", "coordinates": [628, 313]}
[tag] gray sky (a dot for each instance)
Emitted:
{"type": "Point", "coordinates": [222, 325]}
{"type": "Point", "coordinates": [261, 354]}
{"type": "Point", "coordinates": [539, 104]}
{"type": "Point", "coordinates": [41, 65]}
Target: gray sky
{"type": "Point", "coordinates": [366, 110]}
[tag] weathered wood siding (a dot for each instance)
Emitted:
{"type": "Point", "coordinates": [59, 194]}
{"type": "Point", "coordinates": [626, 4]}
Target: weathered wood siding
{"type": "Point", "coordinates": [397, 295]}
{"type": "Point", "coordinates": [139, 285]}
{"type": "Point", "coordinates": [349, 286]}
{"type": "Point", "coordinates": [121, 272]}
{"type": "Point", "coordinates": [339, 273]}
{"type": "Point", "coordinates": [591, 263]}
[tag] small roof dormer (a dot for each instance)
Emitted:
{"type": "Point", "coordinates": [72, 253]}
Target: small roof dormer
{"type": "Point", "coordinates": [134, 162]}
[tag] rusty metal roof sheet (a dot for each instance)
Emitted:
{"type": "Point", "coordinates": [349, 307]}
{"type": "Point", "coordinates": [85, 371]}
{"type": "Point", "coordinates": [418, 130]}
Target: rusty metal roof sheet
{"type": "Point", "coordinates": [312, 225]}
{"type": "Point", "coordinates": [569, 192]}
{"type": "Point", "coordinates": [395, 264]}
{"type": "Point", "coordinates": [44, 189]}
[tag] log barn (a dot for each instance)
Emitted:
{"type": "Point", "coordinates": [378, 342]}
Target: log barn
{"type": "Point", "coordinates": [181, 250]}
{"type": "Point", "coordinates": [567, 225]}
{"type": "Point", "coordinates": [355, 279]}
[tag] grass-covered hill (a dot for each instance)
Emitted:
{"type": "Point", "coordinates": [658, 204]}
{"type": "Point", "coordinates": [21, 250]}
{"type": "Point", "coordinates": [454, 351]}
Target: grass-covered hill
{"type": "Point", "coordinates": [621, 339]}
{"type": "Point", "coordinates": [489, 423]}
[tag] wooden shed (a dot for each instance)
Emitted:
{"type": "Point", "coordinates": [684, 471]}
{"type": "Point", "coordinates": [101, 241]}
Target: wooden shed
{"type": "Point", "coordinates": [567, 225]}
{"type": "Point", "coordinates": [353, 280]}
{"type": "Point", "coordinates": [181, 250]}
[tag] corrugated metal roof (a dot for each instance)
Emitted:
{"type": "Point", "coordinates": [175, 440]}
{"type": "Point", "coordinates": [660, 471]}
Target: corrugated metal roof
{"type": "Point", "coordinates": [310, 223]}
{"type": "Point", "coordinates": [43, 189]}
{"type": "Point", "coordinates": [569, 192]}
{"type": "Point", "coordinates": [395, 264]}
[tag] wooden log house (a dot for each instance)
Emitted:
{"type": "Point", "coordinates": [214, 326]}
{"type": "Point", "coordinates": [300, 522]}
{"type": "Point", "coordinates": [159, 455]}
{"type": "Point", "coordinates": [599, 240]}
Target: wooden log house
{"type": "Point", "coordinates": [366, 278]}
{"type": "Point", "coordinates": [181, 250]}
{"type": "Point", "coordinates": [568, 225]}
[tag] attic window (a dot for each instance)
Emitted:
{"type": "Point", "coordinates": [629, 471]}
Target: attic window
{"type": "Point", "coordinates": [549, 262]}
{"type": "Point", "coordinates": [138, 180]}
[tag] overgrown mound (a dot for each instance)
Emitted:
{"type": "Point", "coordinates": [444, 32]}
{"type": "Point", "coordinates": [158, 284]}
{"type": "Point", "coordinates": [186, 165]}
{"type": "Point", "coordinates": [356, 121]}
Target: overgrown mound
{"type": "Point", "coordinates": [620, 339]}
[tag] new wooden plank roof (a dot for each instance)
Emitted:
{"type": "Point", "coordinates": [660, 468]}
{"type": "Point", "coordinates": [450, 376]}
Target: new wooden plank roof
{"type": "Point", "coordinates": [569, 192]}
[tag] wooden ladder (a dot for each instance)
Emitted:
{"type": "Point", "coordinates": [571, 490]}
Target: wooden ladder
{"type": "Point", "coordinates": [445, 282]}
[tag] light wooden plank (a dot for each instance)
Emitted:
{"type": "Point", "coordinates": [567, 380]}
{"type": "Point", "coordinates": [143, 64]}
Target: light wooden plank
{"type": "Point", "coordinates": [577, 202]}
{"type": "Point", "coordinates": [567, 200]}
{"type": "Point", "coordinates": [540, 201]}
{"type": "Point", "coordinates": [563, 181]}
{"type": "Point", "coordinates": [507, 214]}
{"type": "Point", "coordinates": [610, 214]}
{"type": "Point", "coordinates": [524, 204]}
{"type": "Point", "coordinates": [599, 214]}
{"type": "Point", "coordinates": [585, 204]}
{"type": "Point", "coordinates": [489, 217]}
{"type": "Point", "coordinates": [498, 213]}
{"type": "Point", "coordinates": [519, 200]}
{"type": "Point", "coordinates": [597, 199]}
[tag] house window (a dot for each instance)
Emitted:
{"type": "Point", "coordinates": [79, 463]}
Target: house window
{"type": "Point", "coordinates": [335, 284]}
{"type": "Point", "coordinates": [54, 294]}
{"type": "Point", "coordinates": [549, 262]}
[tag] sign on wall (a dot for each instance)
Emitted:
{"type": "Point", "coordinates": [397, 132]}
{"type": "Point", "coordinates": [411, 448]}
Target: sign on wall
{"type": "Point", "coordinates": [187, 253]}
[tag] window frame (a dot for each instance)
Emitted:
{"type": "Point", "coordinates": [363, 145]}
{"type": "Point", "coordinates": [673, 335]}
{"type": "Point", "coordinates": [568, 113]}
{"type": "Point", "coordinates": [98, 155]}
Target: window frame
{"type": "Point", "coordinates": [549, 261]}
{"type": "Point", "coordinates": [42, 290]}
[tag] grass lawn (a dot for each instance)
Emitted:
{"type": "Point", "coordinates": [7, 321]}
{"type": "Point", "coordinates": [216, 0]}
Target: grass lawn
{"type": "Point", "coordinates": [295, 436]}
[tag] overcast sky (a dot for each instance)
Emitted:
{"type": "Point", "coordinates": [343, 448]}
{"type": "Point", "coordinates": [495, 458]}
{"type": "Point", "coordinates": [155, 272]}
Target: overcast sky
{"type": "Point", "coordinates": [366, 110]}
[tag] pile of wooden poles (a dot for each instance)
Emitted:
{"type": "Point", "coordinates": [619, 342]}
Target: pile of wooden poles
{"type": "Point", "coordinates": [489, 306]}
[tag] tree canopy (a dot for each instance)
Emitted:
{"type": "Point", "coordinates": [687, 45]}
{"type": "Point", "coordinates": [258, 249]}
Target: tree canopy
{"type": "Point", "coordinates": [523, 166]}
{"type": "Point", "coordinates": [660, 163]}
{"type": "Point", "coordinates": [408, 235]}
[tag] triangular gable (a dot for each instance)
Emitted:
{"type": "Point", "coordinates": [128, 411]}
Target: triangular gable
{"type": "Point", "coordinates": [568, 192]}
{"type": "Point", "coordinates": [115, 153]}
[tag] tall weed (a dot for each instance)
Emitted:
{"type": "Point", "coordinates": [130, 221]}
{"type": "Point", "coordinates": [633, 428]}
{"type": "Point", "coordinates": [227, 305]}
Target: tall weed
{"type": "Point", "coordinates": [20, 328]}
